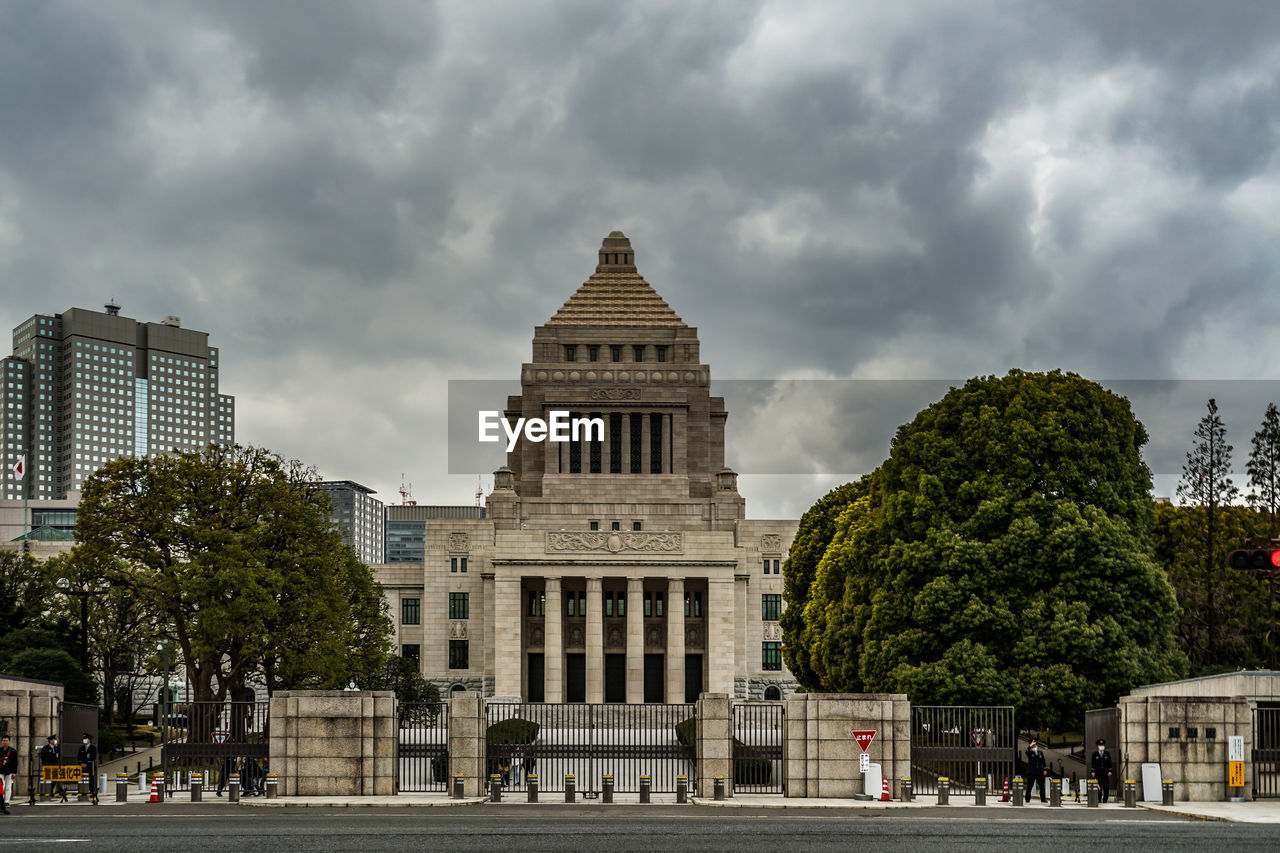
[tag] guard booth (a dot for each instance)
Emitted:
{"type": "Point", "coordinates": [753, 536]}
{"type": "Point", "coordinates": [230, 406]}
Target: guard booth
{"type": "Point", "coordinates": [74, 721]}
{"type": "Point", "coordinates": [219, 738]}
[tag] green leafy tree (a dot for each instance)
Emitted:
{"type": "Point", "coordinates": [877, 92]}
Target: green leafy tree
{"type": "Point", "coordinates": [1206, 482]}
{"type": "Point", "coordinates": [1003, 556]}
{"type": "Point", "coordinates": [55, 665]}
{"type": "Point", "coordinates": [415, 695]}
{"type": "Point", "coordinates": [232, 549]}
{"type": "Point", "coordinates": [813, 535]}
{"type": "Point", "coordinates": [1264, 469]}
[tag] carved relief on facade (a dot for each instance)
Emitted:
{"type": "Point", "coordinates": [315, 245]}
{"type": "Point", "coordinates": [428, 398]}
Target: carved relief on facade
{"type": "Point", "coordinates": [652, 638]}
{"type": "Point", "coordinates": [772, 631]}
{"type": "Point", "coordinates": [459, 543]}
{"type": "Point", "coordinates": [693, 636]}
{"type": "Point", "coordinates": [615, 394]}
{"type": "Point", "coordinates": [771, 543]}
{"type": "Point", "coordinates": [576, 636]}
{"type": "Point", "coordinates": [614, 639]}
{"type": "Point", "coordinates": [458, 630]}
{"type": "Point", "coordinates": [614, 542]}
{"type": "Point", "coordinates": [536, 637]}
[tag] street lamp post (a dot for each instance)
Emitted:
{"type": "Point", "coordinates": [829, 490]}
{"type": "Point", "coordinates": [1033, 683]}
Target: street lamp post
{"type": "Point", "coordinates": [64, 586]}
{"type": "Point", "coordinates": [166, 712]}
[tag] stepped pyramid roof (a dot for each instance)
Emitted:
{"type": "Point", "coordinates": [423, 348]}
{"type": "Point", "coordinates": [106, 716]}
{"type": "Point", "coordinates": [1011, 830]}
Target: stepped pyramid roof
{"type": "Point", "coordinates": [616, 295]}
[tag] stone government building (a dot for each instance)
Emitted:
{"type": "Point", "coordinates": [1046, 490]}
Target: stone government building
{"type": "Point", "coordinates": [614, 570]}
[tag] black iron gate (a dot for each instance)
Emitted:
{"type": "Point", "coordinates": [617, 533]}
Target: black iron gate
{"type": "Point", "coordinates": [590, 741]}
{"type": "Point", "coordinates": [757, 749]}
{"type": "Point", "coordinates": [1266, 752]}
{"type": "Point", "coordinates": [424, 747]}
{"type": "Point", "coordinates": [963, 743]}
{"type": "Point", "coordinates": [219, 738]}
{"type": "Point", "coordinates": [1104, 723]}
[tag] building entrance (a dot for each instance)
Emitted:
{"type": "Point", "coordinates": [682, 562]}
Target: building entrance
{"type": "Point", "coordinates": [692, 677]}
{"type": "Point", "coordinates": [575, 677]}
{"type": "Point", "coordinates": [537, 677]}
{"type": "Point", "coordinates": [655, 678]}
{"type": "Point", "coordinates": [615, 678]}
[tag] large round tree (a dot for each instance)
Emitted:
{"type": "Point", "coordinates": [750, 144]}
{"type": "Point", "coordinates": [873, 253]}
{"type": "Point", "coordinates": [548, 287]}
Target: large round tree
{"type": "Point", "coordinates": [1004, 557]}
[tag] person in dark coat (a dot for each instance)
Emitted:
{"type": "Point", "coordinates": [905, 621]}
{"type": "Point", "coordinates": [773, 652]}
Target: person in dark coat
{"type": "Point", "coordinates": [51, 756]}
{"type": "Point", "coordinates": [87, 755]}
{"type": "Point", "coordinates": [1100, 769]}
{"type": "Point", "coordinates": [8, 770]}
{"type": "Point", "coordinates": [1037, 770]}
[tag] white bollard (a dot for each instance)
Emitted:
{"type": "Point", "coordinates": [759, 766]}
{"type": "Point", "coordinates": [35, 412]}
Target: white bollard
{"type": "Point", "coordinates": [143, 787]}
{"type": "Point", "coordinates": [102, 784]}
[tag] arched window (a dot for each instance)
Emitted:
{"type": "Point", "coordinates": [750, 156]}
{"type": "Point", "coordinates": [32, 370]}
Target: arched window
{"type": "Point", "coordinates": [772, 693]}
{"type": "Point", "coordinates": [457, 688]}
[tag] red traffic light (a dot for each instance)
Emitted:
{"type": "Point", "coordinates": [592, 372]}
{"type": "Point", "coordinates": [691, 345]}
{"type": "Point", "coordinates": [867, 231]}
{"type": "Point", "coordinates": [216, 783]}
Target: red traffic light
{"type": "Point", "coordinates": [1259, 559]}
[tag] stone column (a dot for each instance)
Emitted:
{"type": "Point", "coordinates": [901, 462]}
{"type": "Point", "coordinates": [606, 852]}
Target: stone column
{"type": "Point", "coordinates": [667, 461]}
{"type": "Point", "coordinates": [487, 635]}
{"type": "Point", "coordinates": [675, 640]}
{"type": "Point", "coordinates": [508, 653]}
{"type": "Point", "coordinates": [745, 617]}
{"type": "Point", "coordinates": [467, 742]}
{"type": "Point", "coordinates": [553, 643]}
{"type": "Point", "coordinates": [595, 642]}
{"type": "Point", "coordinates": [715, 743]}
{"type": "Point", "coordinates": [719, 610]}
{"type": "Point", "coordinates": [635, 640]}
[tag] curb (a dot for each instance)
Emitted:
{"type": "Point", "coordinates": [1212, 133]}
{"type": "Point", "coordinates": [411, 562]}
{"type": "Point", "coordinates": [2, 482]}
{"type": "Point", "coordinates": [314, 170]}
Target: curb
{"type": "Point", "coordinates": [361, 803]}
{"type": "Point", "coordinates": [1173, 810]}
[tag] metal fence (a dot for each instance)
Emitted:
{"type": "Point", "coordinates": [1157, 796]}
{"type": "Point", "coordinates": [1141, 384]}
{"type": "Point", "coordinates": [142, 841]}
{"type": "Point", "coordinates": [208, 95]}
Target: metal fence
{"type": "Point", "coordinates": [589, 741]}
{"type": "Point", "coordinates": [1266, 752]}
{"type": "Point", "coordinates": [423, 764]}
{"type": "Point", "coordinates": [963, 743]}
{"type": "Point", "coordinates": [1104, 723]}
{"type": "Point", "coordinates": [757, 749]}
{"type": "Point", "coordinates": [218, 738]}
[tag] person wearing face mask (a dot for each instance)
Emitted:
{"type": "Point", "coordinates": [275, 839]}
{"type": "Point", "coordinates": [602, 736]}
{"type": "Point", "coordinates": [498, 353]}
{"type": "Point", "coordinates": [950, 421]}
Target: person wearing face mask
{"type": "Point", "coordinates": [8, 770]}
{"type": "Point", "coordinates": [1100, 769]}
{"type": "Point", "coordinates": [1037, 770]}
{"type": "Point", "coordinates": [51, 756]}
{"type": "Point", "coordinates": [88, 758]}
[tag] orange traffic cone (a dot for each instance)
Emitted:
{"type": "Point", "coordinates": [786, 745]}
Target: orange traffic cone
{"type": "Point", "coordinates": [1004, 797]}
{"type": "Point", "coordinates": [155, 794]}
{"type": "Point", "coordinates": [884, 791]}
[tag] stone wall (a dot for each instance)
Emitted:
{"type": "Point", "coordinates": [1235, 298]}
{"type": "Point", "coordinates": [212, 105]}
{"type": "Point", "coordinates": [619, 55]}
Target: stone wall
{"type": "Point", "coordinates": [820, 756]}
{"type": "Point", "coordinates": [467, 729]}
{"type": "Point", "coordinates": [334, 742]}
{"type": "Point", "coordinates": [29, 711]}
{"type": "Point", "coordinates": [714, 747]}
{"type": "Point", "coordinates": [1197, 765]}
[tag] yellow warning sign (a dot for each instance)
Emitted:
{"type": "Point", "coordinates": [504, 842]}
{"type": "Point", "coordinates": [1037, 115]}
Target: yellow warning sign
{"type": "Point", "coordinates": [1235, 774]}
{"type": "Point", "coordinates": [61, 773]}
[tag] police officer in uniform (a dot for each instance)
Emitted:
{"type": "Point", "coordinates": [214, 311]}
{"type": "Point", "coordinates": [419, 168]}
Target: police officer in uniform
{"type": "Point", "coordinates": [51, 756]}
{"type": "Point", "coordinates": [1037, 770]}
{"type": "Point", "coordinates": [88, 758]}
{"type": "Point", "coordinates": [1100, 769]}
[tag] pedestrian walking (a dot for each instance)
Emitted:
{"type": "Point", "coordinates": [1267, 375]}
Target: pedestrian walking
{"type": "Point", "coordinates": [88, 758]}
{"type": "Point", "coordinates": [1037, 770]}
{"type": "Point", "coordinates": [51, 756]}
{"type": "Point", "coordinates": [1100, 769]}
{"type": "Point", "coordinates": [8, 771]}
{"type": "Point", "coordinates": [517, 763]}
{"type": "Point", "coordinates": [228, 767]}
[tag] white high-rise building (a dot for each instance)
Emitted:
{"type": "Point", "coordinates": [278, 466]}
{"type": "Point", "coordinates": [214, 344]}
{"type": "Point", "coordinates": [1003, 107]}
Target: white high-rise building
{"type": "Point", "coordinates": [85, 387]}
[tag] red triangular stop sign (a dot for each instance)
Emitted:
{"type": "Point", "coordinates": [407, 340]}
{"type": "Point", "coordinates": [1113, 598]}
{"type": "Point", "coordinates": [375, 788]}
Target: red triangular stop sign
{"type": "Point", "coordinates": [863, 737]}
{"type": "Point", "coordinates": [978, 736]}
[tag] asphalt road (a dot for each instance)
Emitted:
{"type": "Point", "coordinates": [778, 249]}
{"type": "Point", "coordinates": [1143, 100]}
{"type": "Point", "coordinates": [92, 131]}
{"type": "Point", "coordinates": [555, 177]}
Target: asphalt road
{"type": "Point", "coordinates": [517, 829]}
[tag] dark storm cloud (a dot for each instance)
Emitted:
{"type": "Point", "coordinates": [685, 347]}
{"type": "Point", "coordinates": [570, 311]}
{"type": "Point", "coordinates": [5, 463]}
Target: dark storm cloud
{"type": "Point", "coordinates": [363, 201]}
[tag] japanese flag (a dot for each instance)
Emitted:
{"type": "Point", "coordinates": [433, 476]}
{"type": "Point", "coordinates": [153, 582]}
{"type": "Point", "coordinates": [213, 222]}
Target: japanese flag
{"type": "Point", "coordinates": [20, 468]}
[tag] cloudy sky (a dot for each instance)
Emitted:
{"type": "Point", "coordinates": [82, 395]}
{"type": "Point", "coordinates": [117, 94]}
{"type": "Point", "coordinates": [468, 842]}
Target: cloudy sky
{"type": "Point", "coordinates": [361, 201]}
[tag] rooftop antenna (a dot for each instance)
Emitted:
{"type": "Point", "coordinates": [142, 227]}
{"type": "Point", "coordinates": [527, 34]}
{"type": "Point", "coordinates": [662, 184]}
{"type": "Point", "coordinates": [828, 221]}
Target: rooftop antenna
{"type": "Point", "coordinates": [406, 493]}
{"type": "Point", "coordinates": [479, 489]}
{"type": "Point", "coordinates": [112, 308]}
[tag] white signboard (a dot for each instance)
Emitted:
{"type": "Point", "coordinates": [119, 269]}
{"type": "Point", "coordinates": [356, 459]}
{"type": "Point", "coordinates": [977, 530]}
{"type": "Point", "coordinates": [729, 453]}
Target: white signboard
{"type": "Point", "coordinates": [1151, 790]}
{"type": "Point", "coordinates": [1235, 748]}
{"type": "Point", "coordinates": [873, 781]}
{"type": "Point", "coordinates": [864, 762]}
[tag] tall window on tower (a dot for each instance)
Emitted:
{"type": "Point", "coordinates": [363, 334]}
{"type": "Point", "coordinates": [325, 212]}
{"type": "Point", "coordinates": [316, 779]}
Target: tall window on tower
{"type": "Point", "coordinates": [575, 451]}
{"type": "Point", "coordinates": [637, 428]}
{"type": "Point", "coordinates": [595, 447]}
{"type": "Point", "coordinates": [615, 443]}
{"type": "Point", "coordinates": [655, 443]}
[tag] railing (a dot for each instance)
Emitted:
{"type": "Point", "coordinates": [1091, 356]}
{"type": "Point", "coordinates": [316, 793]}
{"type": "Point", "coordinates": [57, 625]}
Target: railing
{"type": "Point", "coordinates": [589, 741]}
{"type": "Point", "coordinates": [1266, 753]}
{"type": "Point", "coordinates": [423, 764]}
{"type": "Point", "coordinates": [757, 749]}
{"type": "Point", "coordinates": [963, 743]}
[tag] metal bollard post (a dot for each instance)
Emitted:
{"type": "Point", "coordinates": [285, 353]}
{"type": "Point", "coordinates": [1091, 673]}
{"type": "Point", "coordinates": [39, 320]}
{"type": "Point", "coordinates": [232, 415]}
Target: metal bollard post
{"type": "Point", "coordinates": [1055, 792]}
{"type": "Point", "coordinates": [944, 790]}
{"type": "Point", "coordinates": [718, 788]}
{"type": "Point", "coordinates": [606, 789]}
{"type": "Point", "coordinates": [1130, 794]}
{"type": "Point", "coordinates": [1018, 791]}
{"type": "Point", "coordinates": [570, 788]}
{"type": "Point", "coordinates": [1093, 794]}
{"type": "Point", "coordinates": [197, 786]}
{"type": "Point", "coordinates": [645, 784]}
{"type": "Point", "coordinates": [273, 786]}
{"type": "Point", "coordinates": [122, 787]}
{"type": "Point", "coordinates": [682, 789]}
{"type": "Point", "coordinates": [979, 791]}
{"type": "Point", "coordinates": [495, 788]}
{"type": "Point", "coordinates": [531, 783]}
{"type": "Point", "coordinates": [458, 782]}
{"type": "Point", "coordinates": [907, 793]}
{"type": "Point", "coordinates": [233, 789]}
{"type": "Point", "coordinates": [1166, 792]}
